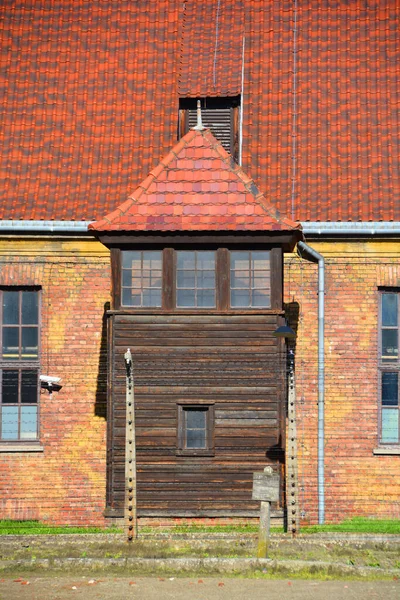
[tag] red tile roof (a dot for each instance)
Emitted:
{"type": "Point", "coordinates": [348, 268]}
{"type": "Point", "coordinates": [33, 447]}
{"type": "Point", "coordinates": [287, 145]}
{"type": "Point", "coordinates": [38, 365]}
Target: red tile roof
{"type": "Point", "coordinates": [211, 64]}
{"type": "Point", "coordinates": [90, 100]}
{"type": "Point", "coordinates": [196, 187]}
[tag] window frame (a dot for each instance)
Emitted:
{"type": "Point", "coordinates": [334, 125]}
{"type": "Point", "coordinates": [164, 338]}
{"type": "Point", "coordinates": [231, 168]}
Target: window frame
{"type": "Point", "coordinates": [21, 365]}
{"type": "Point", "coordinates": [209, 409]}
{"type": "Point", "coordinates": [222, 277]}
{"type": "Point", "coordinates": [197, 271]}
{"type": "Point", "coordinates": [251, 276]}
{"type": "Point", "coordinates": [142, 288]}
{"type": "Point", "coordinates": [388, 365]}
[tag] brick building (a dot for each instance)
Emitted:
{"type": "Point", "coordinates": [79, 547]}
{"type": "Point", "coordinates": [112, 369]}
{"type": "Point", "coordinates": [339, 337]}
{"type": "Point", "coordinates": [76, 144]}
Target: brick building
{"type": "Point", "coordinates": [305, 97]}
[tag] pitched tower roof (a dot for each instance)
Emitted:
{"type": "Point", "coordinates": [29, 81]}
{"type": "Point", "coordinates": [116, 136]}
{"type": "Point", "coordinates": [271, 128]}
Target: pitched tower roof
{"type": "Point", "coordinates": [196, 187]}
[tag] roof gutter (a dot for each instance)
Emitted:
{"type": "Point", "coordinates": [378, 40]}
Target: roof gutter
{"type": "Point", "coordinates": [304, 250]}
{"type": "Point", "coordinates": [317, 228]}
{"type": "Point", "coordinates": [20, 226]}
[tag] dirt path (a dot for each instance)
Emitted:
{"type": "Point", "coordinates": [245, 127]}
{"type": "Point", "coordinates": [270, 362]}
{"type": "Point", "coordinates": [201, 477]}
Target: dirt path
{"type": "Point", "coordinates": [146, 588]}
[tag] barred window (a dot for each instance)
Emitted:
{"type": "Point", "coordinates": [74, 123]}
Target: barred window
{"type": "Point", "coordinates": [19, 364]}
{"type": "Point", "coordinates": [389, 367]}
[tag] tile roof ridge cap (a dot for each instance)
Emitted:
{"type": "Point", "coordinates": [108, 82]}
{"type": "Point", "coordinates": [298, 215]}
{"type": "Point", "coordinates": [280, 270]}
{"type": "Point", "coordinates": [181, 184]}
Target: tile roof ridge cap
{"type": "Point", "coordinates": [262, 200]}
{"type": "Point", "coordinates": [273, 212]}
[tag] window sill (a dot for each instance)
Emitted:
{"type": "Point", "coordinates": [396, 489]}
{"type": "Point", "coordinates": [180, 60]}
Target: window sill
{"type": "Point", "coordinates": [195, 453]}
{"type": "Point", "coordinates": [21, 447]}
{"type": "Point", "coordinates": [387, 451]}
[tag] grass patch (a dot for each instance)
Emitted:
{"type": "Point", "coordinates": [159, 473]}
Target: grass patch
{"type": "Point", "coordinates": [37, 528]}
{"type": "Point", "coordinates": [357, 525]}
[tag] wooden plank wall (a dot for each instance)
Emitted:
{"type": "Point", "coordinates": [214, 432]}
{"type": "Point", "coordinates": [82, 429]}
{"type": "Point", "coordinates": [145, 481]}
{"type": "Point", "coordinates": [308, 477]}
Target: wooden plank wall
{"type": "Point", "coordinates": [232, 360]}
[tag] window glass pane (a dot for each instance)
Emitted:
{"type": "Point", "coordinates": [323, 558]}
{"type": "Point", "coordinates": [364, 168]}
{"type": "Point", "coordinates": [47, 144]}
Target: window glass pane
{"type": "Point", "coordinates": [126, 297]}
{"type": "Point", "coordinates": [28, 422]}
{"type": "Point", "coordinates": [390, 425]}
{"type": "Point", "coordinates": [240, 279]}
{"type": "Point", "coordinates": [30, 308]}
{"type": "Point", "coordinates": [206, 261]}
{"type": "Point", "coordinates": [240, 298]}
{"type": "Point", "coordinates": [151, 297]}
{"type": "Point", "coordinates": [135, 299]}
{"type": "Point", "coordinates": [10, 342]}
{"type": "Point", "coordinates": [206, 279]}
{"type": "Point", "coordinates": [142, 272]}
{"type": "Point", "coordinates": [9, 422]}
{"type": "Point", "coordinates": [9, 387]}
{"type": "Point", "coordinates": [260, 260]}
{"type": "Point", "coordinates": [136, 283]}
{"type": "Point", "coordinates": [195, 418]}
{"type": "Point", "coordinates": [260, 299]}
{"type": "Point", "coordinates": [186, 279]}
{"type": "Point", "coordinates": [186, 260]}
{"type": "Point", "coordinates": [152, 279]}
{"type": "Point", "coordinates": [127, 277]}
{"type": "Point", "coordinates": [240, 261]}
{"type": "Point", "coordinates": [185, 298]}
{"type": "Point", "coordinates": [131, 260]}
{"type": "Point", "coordinates": [29, 386]}
{"type": "Point", "coordinates": [196, 438]}
{"type": "Point", "coordinates": [389, 343]}
{"type": "Point", "coordinates": [390, 389]}
{"type": "Point", "coordinates": [205, 298]}
{"type": "Point", "coordinates": [29, 342]}
{"type": "Point", "coordinates": [152, 260]}
{"type": "Point", "coordinates": [260, 281]}
{"type": "Point", "coordinates": [10, 308]}
{"type": "Point", "coordinates": [389, 310]}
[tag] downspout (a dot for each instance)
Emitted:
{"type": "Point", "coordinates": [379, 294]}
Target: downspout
{"type": "Point", "coordinates": [303, 248]}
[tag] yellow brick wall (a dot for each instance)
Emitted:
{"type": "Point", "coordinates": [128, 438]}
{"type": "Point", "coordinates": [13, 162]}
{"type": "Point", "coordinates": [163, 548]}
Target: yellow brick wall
{"type": "Point", "coordinates": [65, 481]}
{"type": "Point", "coordinates": [357, 482]}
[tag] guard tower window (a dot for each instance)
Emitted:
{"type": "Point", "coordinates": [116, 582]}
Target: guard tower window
{"type": "Point", "coordinates": [221, 115]}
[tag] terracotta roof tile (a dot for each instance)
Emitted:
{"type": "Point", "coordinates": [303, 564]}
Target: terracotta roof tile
{"type": "Point", "coordinates": [91, 90]}
{"type": "Point", "coordinates": [214, 204]}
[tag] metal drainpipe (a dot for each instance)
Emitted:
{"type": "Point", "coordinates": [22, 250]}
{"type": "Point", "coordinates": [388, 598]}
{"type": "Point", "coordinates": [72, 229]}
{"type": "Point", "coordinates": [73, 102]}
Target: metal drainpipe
{"type": "Point", "coordinates": [302, 247]}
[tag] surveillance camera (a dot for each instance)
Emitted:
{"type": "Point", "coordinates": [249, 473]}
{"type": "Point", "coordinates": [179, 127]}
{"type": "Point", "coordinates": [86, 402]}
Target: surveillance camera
{"type": "Point", "coordinates": [46, 379]}
{"type": "Point", "coordinates": [51, 384]}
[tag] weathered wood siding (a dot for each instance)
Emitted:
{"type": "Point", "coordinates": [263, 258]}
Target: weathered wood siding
{"type": "Point", "coordinates": [232, 360]}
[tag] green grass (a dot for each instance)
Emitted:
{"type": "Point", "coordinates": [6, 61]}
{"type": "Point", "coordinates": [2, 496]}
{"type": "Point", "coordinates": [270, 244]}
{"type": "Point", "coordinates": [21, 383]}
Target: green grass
{"type": "Point", "coordinates": [357, 525]}
{"type": "Point", "coordinates": [37, 528]}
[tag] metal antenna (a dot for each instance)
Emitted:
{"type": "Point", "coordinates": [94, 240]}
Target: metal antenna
{"type": "Point", "coordinates": [199, 126]}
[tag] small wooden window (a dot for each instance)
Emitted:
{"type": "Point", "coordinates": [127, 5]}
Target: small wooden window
{"type": "Point", "coordinates": [250, 279]}
{"type": "Point", "coordinates": [195, 279]}
{"type": "Point", "coordinates": [142, 278]}
{"type": "Point", "coordinates": [196, 429]}
{"type": "Point", "coordinates": [389, 368]}
{"type": "Point", "coordinates": [19, 372]}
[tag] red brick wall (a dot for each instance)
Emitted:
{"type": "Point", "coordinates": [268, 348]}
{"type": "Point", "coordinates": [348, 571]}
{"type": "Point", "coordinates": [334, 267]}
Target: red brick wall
{"type": "Point", "coordinates": [357, 482]}
{"type": "Point", "coordinates": [64, 483]}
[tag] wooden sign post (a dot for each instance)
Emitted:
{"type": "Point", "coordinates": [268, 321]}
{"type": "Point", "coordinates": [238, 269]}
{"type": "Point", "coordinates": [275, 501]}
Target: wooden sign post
{"type": "Point", "coordinates": [266, 490]}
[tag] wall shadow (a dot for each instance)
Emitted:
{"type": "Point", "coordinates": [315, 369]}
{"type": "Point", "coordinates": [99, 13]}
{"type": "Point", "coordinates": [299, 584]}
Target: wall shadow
{"type": "Point", "coordinates": [292, 314]}
{"type": "Point", "coordinates": [100, 407]}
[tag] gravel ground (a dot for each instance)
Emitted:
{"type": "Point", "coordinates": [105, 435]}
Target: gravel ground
{"type": "Point", "coordinates": [154, 588]}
